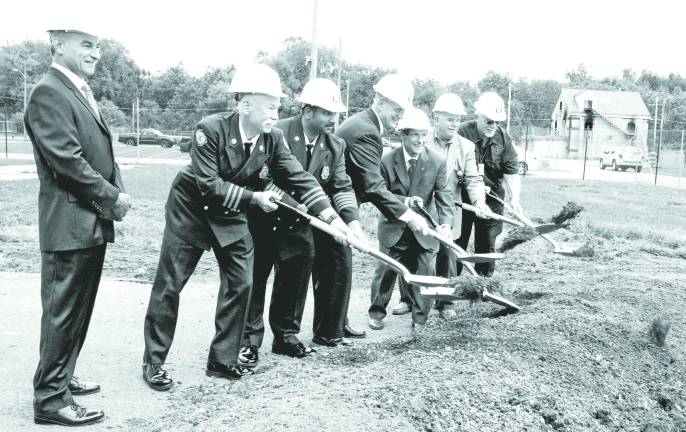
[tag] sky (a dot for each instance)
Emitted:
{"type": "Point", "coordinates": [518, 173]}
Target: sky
{"type": "Point", "coordinates": [444, 40]}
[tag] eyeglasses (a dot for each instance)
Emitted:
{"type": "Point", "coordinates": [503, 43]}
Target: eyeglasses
{"type": "Point", "coordinates": [490, 122]}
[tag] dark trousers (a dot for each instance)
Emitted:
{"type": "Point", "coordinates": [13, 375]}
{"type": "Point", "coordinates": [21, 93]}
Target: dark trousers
{"type": "Point", "coordinates": [485, 233]}
{"type": "Point", "coordinates": [289, 292]}
{"type": "Point", "coordinates": [332, 280]}
{"type": "Point", "coordinates": [69, 284]}
{"type": "Point", "coordinates": [178, 259]}
{"type": "Point", "coordinates": [418, 261]}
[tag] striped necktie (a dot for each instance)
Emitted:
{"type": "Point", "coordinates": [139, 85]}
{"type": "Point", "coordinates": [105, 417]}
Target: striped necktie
{"type": "Point", "coordinates": [89, 97]}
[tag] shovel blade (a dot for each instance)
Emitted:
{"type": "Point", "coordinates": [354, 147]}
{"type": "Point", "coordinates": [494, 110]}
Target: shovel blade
{"type": "Point", "coordinates": [427, 281]}
{"type": "Point", "coordinates": [494, 298]}
{"type": "Point", "coordinates": [438, 293]}
{"type": "Point", "coordinates": [481, 258]}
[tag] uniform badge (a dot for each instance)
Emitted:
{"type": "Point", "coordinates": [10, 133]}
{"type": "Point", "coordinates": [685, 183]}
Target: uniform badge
{"type": "Point", "coordinates": [325, 173]}
{"type": "Point", "coordinates": [264, 172]}
{"type": "Point", "coordinates": [200, 138]}
{"type": "Point", "coordinates": [497, 149]}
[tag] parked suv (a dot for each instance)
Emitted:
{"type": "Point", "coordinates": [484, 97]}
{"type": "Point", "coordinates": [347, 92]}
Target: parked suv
{"type": "Point", "coordinates": [622, 157]}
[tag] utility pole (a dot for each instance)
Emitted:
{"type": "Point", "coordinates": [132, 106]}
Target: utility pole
{"type": "Point", "coordinates": [659, 144]}
{"type": "Point", "coordinates": [347, 99]}
{"type": "Point", "coordinates": [338, 78]}
{"type": "Point", "coordinates": [509, 100]}
{"type": "Point", "coordinates": [133, 116]}
{"type": "Point", "coordinates": [6, 156]}
{"type": "Point", "coordinates": [25, 93]}
{"type": "Point", "coordinates": [138, 130]}
{"type": "Point", "coordinates": [657, 103]}
{"type": "Point", "coordinates": [313, 47]}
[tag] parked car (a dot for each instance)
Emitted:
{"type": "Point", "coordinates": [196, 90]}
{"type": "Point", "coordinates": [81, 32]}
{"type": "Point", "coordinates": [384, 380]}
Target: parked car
{"type": "Point", "coordinates": [149, 136]}
{"type": "Point", "coordinates": [622, 157]}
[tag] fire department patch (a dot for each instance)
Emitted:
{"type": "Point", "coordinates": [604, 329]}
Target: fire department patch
{"type": "Point", "coordinates": [264, 172]}
{"type": "Point", "coordinates": [325, 173]}
{"type": "Point", "coordinates": [497, 149]}
{"type": "Point", "coordinates": [200, 138]}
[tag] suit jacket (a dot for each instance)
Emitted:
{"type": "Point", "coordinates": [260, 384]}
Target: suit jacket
{"type": "Point", "coordinates": [463, 172]}
{"type": "Point", "coordinates": [327, 165]}
{"type": "Point", "coordinates": [209, 197]}
{"type": "Point", "coordinates": [78, 177]}
{"type": "Point", "coordinates": [429, 182]}
{"type": "Point", "coordinates": [364, 149]}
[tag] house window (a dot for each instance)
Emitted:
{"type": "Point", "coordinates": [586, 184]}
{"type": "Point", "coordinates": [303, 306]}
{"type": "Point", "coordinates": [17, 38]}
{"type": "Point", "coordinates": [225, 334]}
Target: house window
{"type": "Point", "coordinates": [631, 126]}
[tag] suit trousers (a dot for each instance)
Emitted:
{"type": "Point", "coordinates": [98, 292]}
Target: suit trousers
{"type": "Point", "coordinates": [332, 280]}
{"type": "Point", "coordinates": [485, 233]}
{"type": "Point", "coordinates": [178, 259]}
{"type": "Point", "coordinates": [69, 284]}
{"type": "Point", "coordinates": [418, 261]}
{"type": "Point", "coordinates": [289, 291]}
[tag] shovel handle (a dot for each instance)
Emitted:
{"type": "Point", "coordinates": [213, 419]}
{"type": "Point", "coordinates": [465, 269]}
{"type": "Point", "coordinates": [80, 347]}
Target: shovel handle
{"type": "Point", "coordinates": [528, 222]}
{"type": "Point", "coordinates": [490, 214]}
{"type": "Point", "coordinates": [357, 244]}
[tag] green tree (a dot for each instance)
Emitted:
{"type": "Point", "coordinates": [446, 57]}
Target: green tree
{"type": "Point", "coordinates": [117, 77]}
{"type": "Point", "coordinates": [112, 114]}
{"type": "Point", "coordinates": [35, 55]}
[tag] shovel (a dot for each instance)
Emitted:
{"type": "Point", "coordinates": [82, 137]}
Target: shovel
{"type": "Point", "coordinates": [461, 253]}
{"type": "Point", "coordinates": [562, 249]}
{"type": "Point", "coordinates": [540, 229]}
{"type": "Point", "coordinates": [419, 280]}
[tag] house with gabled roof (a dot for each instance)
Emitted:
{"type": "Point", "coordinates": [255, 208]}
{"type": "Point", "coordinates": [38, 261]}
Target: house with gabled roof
{"type": "Point", "coordinates": [615, 118]}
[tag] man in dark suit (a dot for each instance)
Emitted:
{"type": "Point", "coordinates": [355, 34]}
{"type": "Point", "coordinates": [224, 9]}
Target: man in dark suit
{"type": "Point", "coordinates": [292, 248]}
{"type": "Point", "coordinates": [81, 193]}
{"type": "Point", "coordinates": [417, 177]}
{"type": "Point", "coordinates": [233, 159]}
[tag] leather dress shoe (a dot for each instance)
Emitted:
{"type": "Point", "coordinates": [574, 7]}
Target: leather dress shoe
{"type": "Point", "coordinates": [375, 324]}
{"type": "Point", "coordinates": [401, 308]}
{"type": "Point", "coordinates": [331, 342]}
{"type": "Point", "coordinates": [249, 356]}
{"type": "Point", "coordinates": [78, 388]}
{"type": "Point", "coordinates": [72, 415]}
{"type": "Point", "coordinates": [298, 350]}
{"type": "Point", "coordinates": [352, 333]}
{"type": "Point", "coordinates": [219, 370]}
{"type": "Point", "coordinates": [157, 377]}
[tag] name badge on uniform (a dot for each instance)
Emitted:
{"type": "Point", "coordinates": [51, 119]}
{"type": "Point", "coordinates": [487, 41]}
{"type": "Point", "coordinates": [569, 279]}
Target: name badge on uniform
{"type": "Point", "coordinates": [264, 172]}
{"type": "Point", "coordinates": [325, 173]}
{"type": "Point", "coordinates": [481, 167]}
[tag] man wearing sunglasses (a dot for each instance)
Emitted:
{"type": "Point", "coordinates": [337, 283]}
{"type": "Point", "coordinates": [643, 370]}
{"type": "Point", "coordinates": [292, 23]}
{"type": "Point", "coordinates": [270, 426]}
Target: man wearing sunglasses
{"type": "Point", "coordinates": [497, 162]}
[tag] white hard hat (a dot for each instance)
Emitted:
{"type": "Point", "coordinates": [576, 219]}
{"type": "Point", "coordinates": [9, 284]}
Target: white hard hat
{"type": "Point", "coordinates": [450, 103]}
{"type": "Point", "coordinates": [396, 88]}
{"type": "Point", "coordinates": [323, 93]}
{"type": "Point", "coordinates": [491, 105]}
{"type": "Point", "coordinates": [414, 118]}
{"type": "Point", "coordinates": [86, 29]}
{"type": "Point", "coordinates": [256, 78]}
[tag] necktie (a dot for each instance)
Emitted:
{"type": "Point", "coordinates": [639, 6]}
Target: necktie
{"type": "Point", "coordinates": [247, 146]}
{"type": "Point", "coordinates": [410, 170]}
{"type": "Point", "coordinates": [309, 155]}
{"type": "Point", "coordinates": [89, 97]}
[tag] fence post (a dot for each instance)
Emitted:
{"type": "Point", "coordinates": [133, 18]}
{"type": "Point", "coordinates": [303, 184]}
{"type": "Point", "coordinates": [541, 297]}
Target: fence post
{"type": "Point", "coordinates": [682, 160]}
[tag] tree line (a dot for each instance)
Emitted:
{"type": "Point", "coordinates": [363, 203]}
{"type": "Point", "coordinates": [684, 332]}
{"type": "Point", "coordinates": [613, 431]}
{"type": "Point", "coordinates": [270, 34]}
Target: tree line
{"type": "Point", "coordinates": [175, 100]}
